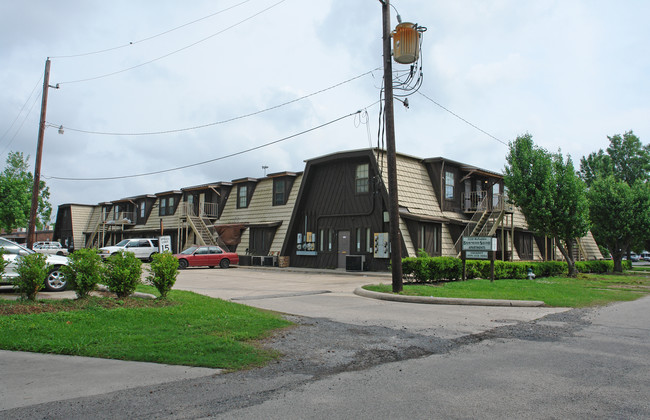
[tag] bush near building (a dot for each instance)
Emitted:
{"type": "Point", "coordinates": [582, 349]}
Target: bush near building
{"type": "Point", "coordinates": [433, 269]}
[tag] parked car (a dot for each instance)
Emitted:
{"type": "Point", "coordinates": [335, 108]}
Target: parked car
{"type": "Point", "coordinates": [143, 248]}
{"type": "Point", "coordinates": [210, 256]}
{"type": "Point", "coordinates": [54, 248]}
{"type": "Point", "coordinates": [633, 257]}
{"type": "Point", "coordinates": [54, 282]}
{"type": "Point", "coordinates": [645, 256]}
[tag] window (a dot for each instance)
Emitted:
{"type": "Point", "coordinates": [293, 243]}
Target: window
{"type": "Point", "coordinates": [361, 179]}
{"type": "Point", "coordinates": [449, 185]}
{"type": "Point", "coordinates": [368, 240]}
{"type": "Point", "coordinates": [242, 196]}
{"type": "Point", "coordinates": [116, 213]}
{"type": "Point", "coordinates": [496, 197]}
{"type": "Point", "coordinates": [358, 235]}
{"type": "Point", "coordinates": [321, 245]}
{"type": "Point", "coordinates": [279, 192]}
{"type": "Point", "coordinates": [162, 209]}
{"type": "Point", "coordinates": [143, 209]}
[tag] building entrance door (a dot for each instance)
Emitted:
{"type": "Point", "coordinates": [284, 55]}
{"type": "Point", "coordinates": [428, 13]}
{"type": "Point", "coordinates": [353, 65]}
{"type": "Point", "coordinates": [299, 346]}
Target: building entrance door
{"type": "Point", "coordinates": [343, 247]}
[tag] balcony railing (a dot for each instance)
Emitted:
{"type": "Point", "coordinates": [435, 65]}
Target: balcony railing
{"type": "Point", "coordinates": [121, 218]}
{"type": "Point", "coordinates": [474, 202]}
{"type": "Point", "coordinates": [210, 210]}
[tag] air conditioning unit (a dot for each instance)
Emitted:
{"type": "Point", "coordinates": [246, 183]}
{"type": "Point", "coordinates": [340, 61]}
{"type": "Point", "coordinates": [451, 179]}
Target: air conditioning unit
{"type": "Point", "coordinates": [354, 262]}
{"type": "Point", "coordinates": [269, 261]}
{"type": "Point", "coordinates": [257, 260]}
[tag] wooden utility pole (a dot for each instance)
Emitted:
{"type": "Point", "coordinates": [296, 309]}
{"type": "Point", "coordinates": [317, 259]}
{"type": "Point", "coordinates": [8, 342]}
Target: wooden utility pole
{"type": "Point", "coordinates": [389, 121]}
{"type": "Point", "coordinates": [31, 230]}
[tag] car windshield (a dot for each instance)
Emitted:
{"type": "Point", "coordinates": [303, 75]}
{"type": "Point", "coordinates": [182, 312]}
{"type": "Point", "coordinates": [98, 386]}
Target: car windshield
{"type": "Point", "coordinates": [122, 243]}
{"type": "Point", "coordinates": [189, 250]}
{"type": "Point", "coordinates": [13, 248]}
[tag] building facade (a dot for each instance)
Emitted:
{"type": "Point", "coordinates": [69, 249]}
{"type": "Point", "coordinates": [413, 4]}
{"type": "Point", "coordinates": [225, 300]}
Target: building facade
{"type": "Point", "coordinates": [334, 212]}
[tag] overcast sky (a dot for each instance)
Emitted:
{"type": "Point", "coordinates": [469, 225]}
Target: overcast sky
{"type": "Point", "coordinates": [568, 72]}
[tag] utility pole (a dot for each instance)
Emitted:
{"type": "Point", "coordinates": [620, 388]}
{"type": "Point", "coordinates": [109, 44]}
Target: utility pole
{"type": "Point", "coordinates": [389, 120]}
{"type": "Point", "coordinates": [31, 231]}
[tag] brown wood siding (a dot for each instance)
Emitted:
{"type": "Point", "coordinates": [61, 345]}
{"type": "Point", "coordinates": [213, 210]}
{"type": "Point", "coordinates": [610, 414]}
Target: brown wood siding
{"type": "Point", "coordinates": [330, 202]}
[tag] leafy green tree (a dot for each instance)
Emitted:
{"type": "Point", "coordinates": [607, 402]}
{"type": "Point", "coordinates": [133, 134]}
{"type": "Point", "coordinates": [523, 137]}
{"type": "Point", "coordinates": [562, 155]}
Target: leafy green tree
{"type": "Point", "coordinates": [549, 193]}
{"type": "Point", "coordinates": [627, 159]}
{"type": "Point", "coordinates": [16, 183]}
{"type": "Point", "coordinates": [619, 212]}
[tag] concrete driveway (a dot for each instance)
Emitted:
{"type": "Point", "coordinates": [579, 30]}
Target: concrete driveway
{"type": "Point", "coordinates": [329, 294]}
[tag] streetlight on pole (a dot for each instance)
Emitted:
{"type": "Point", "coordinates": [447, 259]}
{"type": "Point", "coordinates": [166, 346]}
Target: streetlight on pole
{"type": "Point", "coordinates": [393, 205]}
{"type": "Point", "coordinates": [31, 230]}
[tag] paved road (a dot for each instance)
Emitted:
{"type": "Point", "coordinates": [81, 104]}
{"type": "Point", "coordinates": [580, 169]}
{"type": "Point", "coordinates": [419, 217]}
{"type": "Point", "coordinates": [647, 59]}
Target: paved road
{"type": "Point", "coordinates": [359, 357]}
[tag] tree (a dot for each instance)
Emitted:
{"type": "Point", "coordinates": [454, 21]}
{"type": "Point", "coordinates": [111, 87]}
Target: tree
{"type": "Point", "coordinates": [617, 212]}
{"type": "Point", "coordinates": [16, 183]}
{"type": "Point", "coordinates": [549, 193]}
{"type": "Point", "coordinates": [626, 161]}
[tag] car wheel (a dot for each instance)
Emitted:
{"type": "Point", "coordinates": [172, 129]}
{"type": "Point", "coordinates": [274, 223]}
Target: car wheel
{"type": "Point", "coordinates": [59, 253]}
{"type": "Point", "coordinates": [151, 256]}
{"type": "Point", "coordinates": [225, 263]}
{"type": "Point", "coordinates": [182, 264]}
{"type": "Point", "coordinates": [55, 281]}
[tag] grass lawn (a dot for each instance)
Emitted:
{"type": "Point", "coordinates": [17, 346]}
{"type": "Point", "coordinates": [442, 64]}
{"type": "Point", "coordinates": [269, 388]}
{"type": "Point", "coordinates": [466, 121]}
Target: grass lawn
{"type": "Point", "coordinates": [185, 329]}
{"type": "Point", "coordinates": [586, 290]}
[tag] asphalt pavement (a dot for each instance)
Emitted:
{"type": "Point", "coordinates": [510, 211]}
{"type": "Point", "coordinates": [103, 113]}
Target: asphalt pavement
{"type": "Point", "coordinates": [326, 298]}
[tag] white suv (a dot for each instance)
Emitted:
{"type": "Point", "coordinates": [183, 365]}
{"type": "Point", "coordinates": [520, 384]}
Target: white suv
{"type": "Point", "coordinates": [141, 247]}
{"type": "Point", "coordinates": [49, 248]}
{"type": "Point", "coordinates": [54, 282]}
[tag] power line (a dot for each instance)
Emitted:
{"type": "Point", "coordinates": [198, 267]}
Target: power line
{"type": "Point", "coordinates": [151, 133]}
{"type": "Point", "coordinates": [22, 123]}
{"type": "Point", "coordinates": [206, 161]}
{"type": "Point", "coordinates": [465, 121]}
{"type": "Point", "coordinates": [176, 51]}
{"type": "Point", "coordinates": [21, 110]}
{"type": "Point", "coordinates": [151, 37]}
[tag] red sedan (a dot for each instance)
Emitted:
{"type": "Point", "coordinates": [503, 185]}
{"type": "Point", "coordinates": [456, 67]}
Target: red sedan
{"type": "Point", "coordinates": [211, 256]}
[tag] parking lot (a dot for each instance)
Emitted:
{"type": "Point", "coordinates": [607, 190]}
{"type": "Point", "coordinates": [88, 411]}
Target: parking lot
{"type": "Point", "coordinates": [330, 294]}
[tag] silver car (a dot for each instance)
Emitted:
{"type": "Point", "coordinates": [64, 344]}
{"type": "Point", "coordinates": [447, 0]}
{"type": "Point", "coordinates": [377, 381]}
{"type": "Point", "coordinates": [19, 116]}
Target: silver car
{"type": "Point", "coordinates": [54, 282]}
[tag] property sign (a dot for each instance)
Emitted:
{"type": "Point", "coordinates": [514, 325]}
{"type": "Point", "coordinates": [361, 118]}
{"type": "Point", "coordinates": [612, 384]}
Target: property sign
{"type": "Point", "coordinates": [479, 243]}
{"type": "Point", "coordinates": [476, 255]}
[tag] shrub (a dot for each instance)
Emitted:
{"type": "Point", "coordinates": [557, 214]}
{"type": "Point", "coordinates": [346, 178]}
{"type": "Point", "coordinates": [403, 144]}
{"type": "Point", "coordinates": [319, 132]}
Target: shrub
{"type": "Point", "coordinates": [122, 273]}
{"type": "Point", "coordinates": [164, 269]}
{"type": "Point", "coordinates": [3, 263]}
{"type": "Point", "coordinates": [84, 271]}
{"type": "Point", "coordinates": [32, 270]}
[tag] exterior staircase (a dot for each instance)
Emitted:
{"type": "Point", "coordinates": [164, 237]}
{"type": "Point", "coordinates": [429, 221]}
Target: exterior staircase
{"type": "Point", "coordinates": [483, 223]}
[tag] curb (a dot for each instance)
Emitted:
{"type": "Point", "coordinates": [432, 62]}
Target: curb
{"type": "Point", "coordinates": [447, 301]}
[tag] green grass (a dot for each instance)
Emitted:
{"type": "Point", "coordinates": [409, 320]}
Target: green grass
{"type": "Point", "coordinates": [187, 329]}
{"type": "Point", "coordinates": [586, 290]}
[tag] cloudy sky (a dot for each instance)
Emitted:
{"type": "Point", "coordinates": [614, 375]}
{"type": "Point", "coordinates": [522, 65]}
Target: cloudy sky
{"type": "Point", "coordinates": [214, 75]}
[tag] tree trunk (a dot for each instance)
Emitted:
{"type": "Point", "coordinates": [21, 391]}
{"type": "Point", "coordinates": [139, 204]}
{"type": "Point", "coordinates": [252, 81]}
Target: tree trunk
{"type": "Point", "coordinates": [566, 249]}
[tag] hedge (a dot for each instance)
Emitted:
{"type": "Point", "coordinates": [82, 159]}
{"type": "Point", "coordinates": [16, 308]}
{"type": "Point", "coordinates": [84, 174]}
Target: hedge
{"type": "Point", "coordinates": [432, 269]}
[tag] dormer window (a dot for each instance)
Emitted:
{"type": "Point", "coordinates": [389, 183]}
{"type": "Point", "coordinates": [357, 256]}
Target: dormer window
{"type": "Point", "coordinates": [279, 192]}
{"type": "Point", "coordinates": [242, 196]}
{"type": "Point", "coordinates": [449, 185]}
